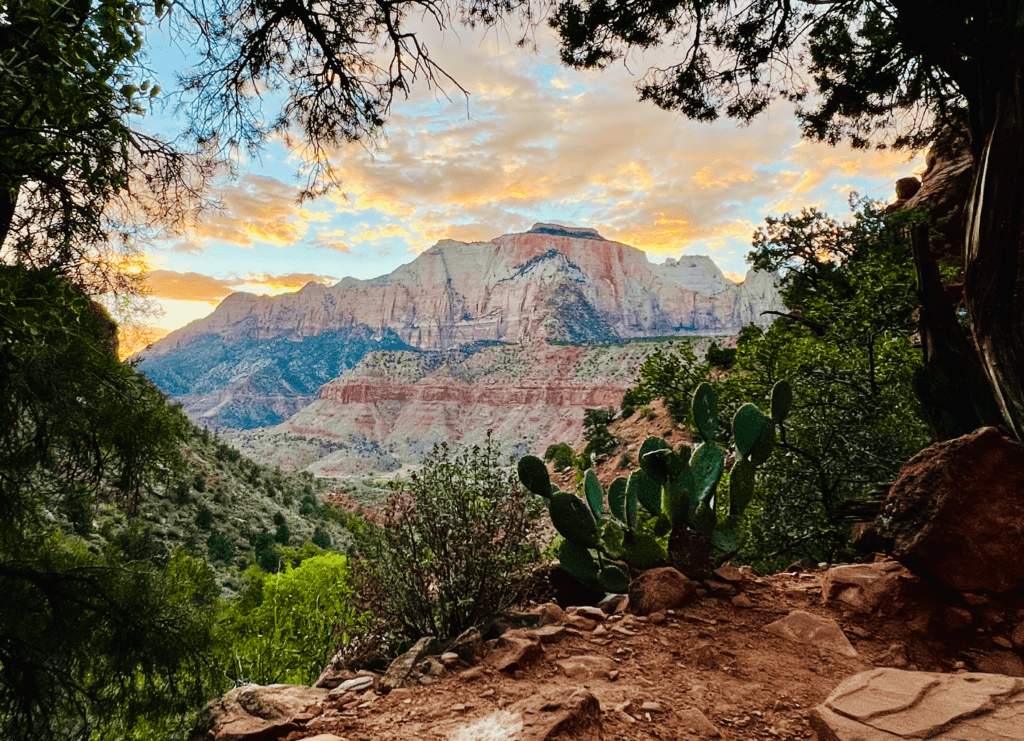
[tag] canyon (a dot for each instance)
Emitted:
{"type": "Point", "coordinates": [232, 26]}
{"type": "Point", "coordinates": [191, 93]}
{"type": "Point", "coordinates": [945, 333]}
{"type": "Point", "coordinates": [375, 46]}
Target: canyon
{"type": "Point", "coordinates": [517, 335]}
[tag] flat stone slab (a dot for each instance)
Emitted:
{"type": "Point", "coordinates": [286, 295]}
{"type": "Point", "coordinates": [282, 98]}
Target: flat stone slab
{"type": "Point", "coordinates": [587, 667]}
{"type": "Point", "coordinates": [806, 627]}
{"type": "Point", "coordinates": [892, 704]}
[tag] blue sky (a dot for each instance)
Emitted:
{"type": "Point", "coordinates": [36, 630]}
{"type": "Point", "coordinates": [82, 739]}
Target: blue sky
{"type": "Point", "coordinates": [534, 142]}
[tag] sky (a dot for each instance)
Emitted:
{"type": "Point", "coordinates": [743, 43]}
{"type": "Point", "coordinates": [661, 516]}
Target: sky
{"type": "Point", "coordinates": [534, 142]}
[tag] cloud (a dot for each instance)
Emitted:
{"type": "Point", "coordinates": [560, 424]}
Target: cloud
{"type": "Point", "coordinates": [168, 284]}
{"type": "Point", "coordinates": [196, 287]}
{"type": "Point", "coordinates": [256, 209]}
{"type": "Point", "coordinates": [580, 147]}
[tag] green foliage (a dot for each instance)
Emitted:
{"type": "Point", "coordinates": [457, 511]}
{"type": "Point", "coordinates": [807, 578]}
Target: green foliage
{"type": "Point", "coordinates": [595, 431]}
{"type": "Point", "coordinates": [845, 348]}
{"type": "Point", "coordinates": [672, 376]}
{"type": "Point", "coordinates": [560, 456]}
{"type": "Point", "coordinates": [84, 184]}
{"type": "Point", "coordinates": [285, 627]}
{"type": "Point", "coordinates": [456, 547]}
{"type": "Point", "coordinates": [719, 358]}
{"type": "Point", "coordinates": [97, 641]}
{"type": "Point", "coordinates": [676, 490]}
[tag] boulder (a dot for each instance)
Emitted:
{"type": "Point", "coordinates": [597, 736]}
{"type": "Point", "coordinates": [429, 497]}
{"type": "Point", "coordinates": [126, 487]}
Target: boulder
{"type": "Point", "coordinates": [891, 704]}
{"type": "Point", "coordinates": [866, 587]}
{"type": "Point", "coordinates": [805, 627]}
{"type": "Point", "coordinates": [515, 650]}
{"type": "Point", "coordinates": [403, 669]}
{"type": "Point", "coordinates": [657, 590]}
{"type": "Point", "coordinates": [256, 713]}
{"type": "Point", "coordinates": [576, 718]}
{"type": "Point", "coordinates": [954, 512]}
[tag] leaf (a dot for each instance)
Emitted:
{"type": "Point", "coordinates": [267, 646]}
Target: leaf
{"type": "Point", "coordinates": [782, 401]}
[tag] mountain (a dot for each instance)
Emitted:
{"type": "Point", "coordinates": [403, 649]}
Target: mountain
{"type": "Point", "coordinates": [257, 360]}
{"type": "Point", "coordinates": [392, 408]}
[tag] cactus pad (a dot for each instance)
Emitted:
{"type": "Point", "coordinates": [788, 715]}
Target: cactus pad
{"type": "Point", "coordinates": [747, 426]}
{"type": "Point", "coordinates": [534, 475]}
{"type": "Point", "coordinates": [646, 490]}
{"type": "Point", "coordinates": [782, 401]}
{"type": "Point", "coordinates": [573, 519]}
{"type": "Point", "coordinates": [705, 412]}
{"type": "Point", "coordinates": [654, 458]}
{"type": "Point", "coordinates": [617, 498]}
{"type": "Point", "coordinates": [577, 561]}
{"type": "Point", "coordinates": [595, 494]}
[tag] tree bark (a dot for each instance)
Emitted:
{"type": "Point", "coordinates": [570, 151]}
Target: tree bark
{"type": "Point", "coordinates": [994, 249]}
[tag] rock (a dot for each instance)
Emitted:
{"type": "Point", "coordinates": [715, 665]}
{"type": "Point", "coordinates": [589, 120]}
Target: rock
{"type": "Point", "coordinates": [577, 718]}
{"type": "Point", "coordinates": [612, 604]}
{"type": "Point", "coordinates": [550, 614]}
{"type": "Point", "coordinates": [549, 633]}
{"type": "Point", "coordinates": [403, 669]}
{"type": "Point", "coordinates": [469, 645]}
{"type": "Point", "coordinates": [704, 656]}
{"type": "Point", "coordinates": [657, 590]}
{"type": "Point", "coordinates": [801, 565]}
{"type": "Point", "coordinates": [254, 713]}
{"type": "Point", "coordinates": [998, 662]}
{"type": "Point", "coordinates": [473, 673]}
{"type": "Point", "coordinates": [1017, 636]}
{"type": "Point", "coordinates": [449, 659]}
{"type": "Point", "coordinates": [695, 721]}
{"type": "Point", "coordinates": [323, 737]}
{"type": "Point", "coordinates": [729, 573]}
{"type": "Point", "coordinates": [954, 512]}
{"type": "Point", "coordinates": [866, 587]}
{"type": "Point", "coordinates": [586, 667]}
{"type": "Point", "coordinates": [894, 656]}
{"type": "Point", "coordinates": [957, 618]}
{"type": "Point", "coordinates": [719, 588]}
{"type": "Point", "coordinates": [578, 622]}
{"type": "Point", "coordinates": [805, 627]}
{"type": "Point", "coordinates": [652, 707]}
{"type": "Point", "coordinates": [743, 601]}
{"type": "Point", "coordinates": [657, 618]}
{"type": "Point", "coordinates": [333, 674]}
{"type": "Point", "coordinates": [357, 684]}
{"type": "Point", "coordinates": [592, 613]}
{"type": "Point", "coordinates": [907, 188]}
{"type": "Point", "coordinates": [514, 652]}
{"type": "Point", "coordinates": [432, 666]}
{"type": "Point", "coordinates": [890, 704]}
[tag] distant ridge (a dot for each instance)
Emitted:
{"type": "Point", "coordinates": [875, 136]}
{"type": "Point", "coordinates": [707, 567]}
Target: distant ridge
{"type": "Point", "coordinates": [257, 360]}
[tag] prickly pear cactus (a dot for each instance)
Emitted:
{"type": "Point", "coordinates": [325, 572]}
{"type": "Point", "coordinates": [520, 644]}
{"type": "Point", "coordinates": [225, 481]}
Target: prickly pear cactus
{"type": "Point", "coordinates": [669, 501]}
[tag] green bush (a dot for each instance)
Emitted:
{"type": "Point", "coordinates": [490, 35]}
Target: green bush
{"type": "Point", "coordinates": [454, 549]}
{"type": "Point", "coordinates": [285, 627]}
{"type": "Point", "coordinates": [560, 455]}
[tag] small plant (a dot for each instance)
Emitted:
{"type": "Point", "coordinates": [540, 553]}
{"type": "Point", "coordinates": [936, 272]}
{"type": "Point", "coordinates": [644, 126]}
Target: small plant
{"type": "Point", "coordinates": [454, 548]}
{"type": "Point", "coordinates": [676, 490]}
{"type": "Point", "coordinates": [560, 456]}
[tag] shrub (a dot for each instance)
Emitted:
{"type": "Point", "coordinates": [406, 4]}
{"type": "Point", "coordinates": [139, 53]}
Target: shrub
{"type": "Point", "coordinates": [204, 517]}
{"type": "Point", "coordinates": [285, 627]}
{"type": "Point", "coordinates": [560, 455]}
{"type": "Point", "coordinates": [454, 549]}
{"type": "Point", "coordinates": [219, 547]}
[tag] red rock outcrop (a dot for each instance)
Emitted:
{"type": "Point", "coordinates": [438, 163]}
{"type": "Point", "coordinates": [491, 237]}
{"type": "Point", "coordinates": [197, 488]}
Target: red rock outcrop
{"type": "Point", "coordinates": [955, 511]}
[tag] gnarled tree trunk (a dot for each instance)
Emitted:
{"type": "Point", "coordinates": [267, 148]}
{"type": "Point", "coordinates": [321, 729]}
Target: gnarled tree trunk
{"type": "Point", "coordinates": [994, 251]}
